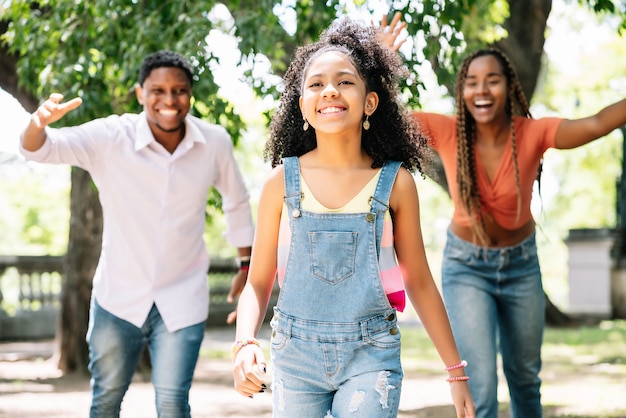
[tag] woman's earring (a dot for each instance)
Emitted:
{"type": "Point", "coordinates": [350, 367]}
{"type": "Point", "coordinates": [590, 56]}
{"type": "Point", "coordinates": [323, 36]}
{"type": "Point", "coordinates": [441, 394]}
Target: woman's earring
{"type": "Point", "coordinates": [366, 122]}
{"type": "Point", "coordinates": [306, 125]}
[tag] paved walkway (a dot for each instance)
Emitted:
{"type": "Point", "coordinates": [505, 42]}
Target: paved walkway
{"type": "Point", "coordinates": [31, 386]}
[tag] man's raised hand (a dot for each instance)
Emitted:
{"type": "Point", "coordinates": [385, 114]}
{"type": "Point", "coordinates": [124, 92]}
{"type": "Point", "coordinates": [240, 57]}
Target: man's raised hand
{"type": "Point", "coordinates": [52, 109]}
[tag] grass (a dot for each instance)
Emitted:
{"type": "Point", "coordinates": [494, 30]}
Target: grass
{"type": "Point", "coordinates": [564, 348]}
{"type": "Point", "coordinates": [583, 374]}
{"type": "Point", "coordinates": [601, 344]}
{"type": "Point", "coordinates": [584, 370]}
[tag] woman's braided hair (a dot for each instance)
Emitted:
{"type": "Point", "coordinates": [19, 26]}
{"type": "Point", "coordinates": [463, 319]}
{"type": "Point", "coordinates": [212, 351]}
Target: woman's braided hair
{"type": "Point", "coordinates": [393, 135]}
{"type": "Point", "coordinates": [466, 131]}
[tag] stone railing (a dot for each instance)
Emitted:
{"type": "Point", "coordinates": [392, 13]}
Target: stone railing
{"type": "Point", "coordinates": [35, 284]}
{"type": "Point", "coordinates": [30, 289]}
{"type": "Point", "coordinates": [30, 294]}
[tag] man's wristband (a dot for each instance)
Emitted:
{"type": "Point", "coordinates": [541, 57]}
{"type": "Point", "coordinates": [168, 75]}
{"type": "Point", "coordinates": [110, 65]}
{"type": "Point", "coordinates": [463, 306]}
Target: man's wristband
{"type": "Point", "coordinates": [244, 263]}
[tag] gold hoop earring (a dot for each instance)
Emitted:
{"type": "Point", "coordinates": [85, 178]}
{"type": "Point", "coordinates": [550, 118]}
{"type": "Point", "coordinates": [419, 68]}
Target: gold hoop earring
{"type": "Point", "coordinates": [366, 122]}
{"type": "Point", "coordinates": [306, 125]}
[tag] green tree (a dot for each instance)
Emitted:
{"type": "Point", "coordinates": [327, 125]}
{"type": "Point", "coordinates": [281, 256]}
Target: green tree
{"type": "Point", "coordinates": [93, 50]}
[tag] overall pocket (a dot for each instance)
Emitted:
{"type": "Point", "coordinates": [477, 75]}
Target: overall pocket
{"type": "Point", "coordinates": [332, 255]}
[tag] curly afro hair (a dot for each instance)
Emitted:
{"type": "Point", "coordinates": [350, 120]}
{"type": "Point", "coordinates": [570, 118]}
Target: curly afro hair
{"type": "Point", "coordinates": [393, 134]}
{"type": "Point", "coordinates": [161, 59]}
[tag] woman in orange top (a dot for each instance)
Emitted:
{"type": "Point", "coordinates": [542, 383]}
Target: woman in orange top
{"type": "Point", "coordinates": [491, 151]}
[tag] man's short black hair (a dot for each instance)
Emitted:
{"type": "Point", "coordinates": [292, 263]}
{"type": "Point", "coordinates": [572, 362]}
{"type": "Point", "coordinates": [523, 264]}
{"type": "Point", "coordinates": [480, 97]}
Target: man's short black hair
{"type": "Point", "coordinates": [161, 59]}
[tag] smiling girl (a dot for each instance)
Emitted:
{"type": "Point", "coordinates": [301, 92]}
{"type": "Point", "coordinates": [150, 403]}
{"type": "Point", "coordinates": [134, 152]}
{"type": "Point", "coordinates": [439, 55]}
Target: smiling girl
{"type": "Point", "coordinates": [338, 226]}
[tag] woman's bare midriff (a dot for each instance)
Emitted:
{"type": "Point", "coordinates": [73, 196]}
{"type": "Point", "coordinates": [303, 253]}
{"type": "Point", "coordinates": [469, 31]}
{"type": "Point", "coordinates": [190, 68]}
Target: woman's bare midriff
{"type": "Point", "coordinates": [498, 236]}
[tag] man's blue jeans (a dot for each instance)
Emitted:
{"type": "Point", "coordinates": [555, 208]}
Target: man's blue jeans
{"type": "Point", "coordinates": [495, 301]}
{"type": "Point", "coordinates": [115, 346]}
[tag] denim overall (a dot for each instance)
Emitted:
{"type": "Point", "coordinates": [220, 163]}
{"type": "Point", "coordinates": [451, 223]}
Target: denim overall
{"type": "Point", "coordinates": [335, 344]}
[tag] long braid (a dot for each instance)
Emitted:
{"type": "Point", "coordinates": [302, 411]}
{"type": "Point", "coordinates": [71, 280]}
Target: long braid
{"type": "Point", "coordinates": [466, 161]}
{"type": "Point", "coordinates": [518, 106]}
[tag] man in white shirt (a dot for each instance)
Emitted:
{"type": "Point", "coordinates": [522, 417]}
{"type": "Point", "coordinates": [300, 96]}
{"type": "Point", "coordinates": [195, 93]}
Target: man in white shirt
{"type": "Point", "coordinates": [153, 171]}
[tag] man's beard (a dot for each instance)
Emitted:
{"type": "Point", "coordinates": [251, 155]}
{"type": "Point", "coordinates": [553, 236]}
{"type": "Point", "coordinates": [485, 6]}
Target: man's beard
{"type": "Point", "coordinates": [169, 131]}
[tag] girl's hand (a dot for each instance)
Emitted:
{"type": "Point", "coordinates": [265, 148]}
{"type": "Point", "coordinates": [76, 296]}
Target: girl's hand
{"type": "Point", "coordinates": [462, 399]}
{"type": "Point", "coordinates": [388, 33]}
{"type": "Point", "coordinates": [52, 109]}
{"type": "Point", "coordinates": [247, 381]}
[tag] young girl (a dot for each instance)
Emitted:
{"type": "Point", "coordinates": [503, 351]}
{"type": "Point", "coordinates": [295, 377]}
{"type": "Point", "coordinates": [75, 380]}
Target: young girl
{"type": "Point", "coordinates": [491, 151]}
{"type": "Point", "coordinates": [331, 219]}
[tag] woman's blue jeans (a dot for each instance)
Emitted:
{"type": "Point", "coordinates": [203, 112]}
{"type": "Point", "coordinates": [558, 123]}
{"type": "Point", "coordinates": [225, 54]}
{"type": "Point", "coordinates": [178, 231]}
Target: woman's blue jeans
{"type": "Point", "coordinates": [115, 346]}
{"type": "Point", "coordinates": [495, 301]}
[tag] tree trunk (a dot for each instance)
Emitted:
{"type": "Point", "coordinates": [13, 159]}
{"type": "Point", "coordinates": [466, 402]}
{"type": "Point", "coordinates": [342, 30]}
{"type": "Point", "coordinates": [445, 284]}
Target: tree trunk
{"type": "Point", "coordinates": [9, 78]}
{"type": "Point", "coordinates": [83, 251]}
{"type": "Point", "coordinates": [526, 27]}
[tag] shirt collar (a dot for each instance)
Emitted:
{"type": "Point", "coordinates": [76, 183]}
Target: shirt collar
{"type": "Point", "coordinates": [144, 136]}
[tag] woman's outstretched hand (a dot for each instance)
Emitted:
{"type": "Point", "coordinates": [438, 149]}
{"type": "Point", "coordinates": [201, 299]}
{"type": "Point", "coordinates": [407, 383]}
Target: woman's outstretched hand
{"type": "Point", "coordinates": [389, 32]}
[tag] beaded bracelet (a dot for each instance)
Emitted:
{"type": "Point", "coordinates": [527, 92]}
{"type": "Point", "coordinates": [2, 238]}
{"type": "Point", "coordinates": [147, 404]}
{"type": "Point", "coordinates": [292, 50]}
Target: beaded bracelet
{"type": "Point", "coordinates": [239, 344]}
{"type": "Point", "coordinates": [457, 379]}
{"type": "Point", "coordinates": [462, 364]}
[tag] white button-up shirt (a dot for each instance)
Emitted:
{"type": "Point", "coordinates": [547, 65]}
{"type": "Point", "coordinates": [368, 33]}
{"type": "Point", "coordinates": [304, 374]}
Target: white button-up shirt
{"type": "Point", "coordinates": [153, 206]}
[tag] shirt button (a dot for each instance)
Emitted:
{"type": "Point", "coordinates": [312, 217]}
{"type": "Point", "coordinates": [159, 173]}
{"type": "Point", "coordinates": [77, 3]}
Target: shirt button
{"type": "Point", "coordinates": [393, 331]}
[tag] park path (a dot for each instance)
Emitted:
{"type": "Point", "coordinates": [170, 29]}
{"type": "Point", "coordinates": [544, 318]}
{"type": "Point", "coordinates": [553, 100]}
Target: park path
{"type": "Point", "coordinates": [32, 387]}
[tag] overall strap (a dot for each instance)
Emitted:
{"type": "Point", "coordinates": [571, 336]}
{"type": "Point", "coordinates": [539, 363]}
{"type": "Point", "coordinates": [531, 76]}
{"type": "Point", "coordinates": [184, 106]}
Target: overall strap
{"type": "Point", "coordinates": [292, 183]}
{"type": "Point", "coordinates": [380, 200]}
{"type": "Point", "coordinates": [379, 203]}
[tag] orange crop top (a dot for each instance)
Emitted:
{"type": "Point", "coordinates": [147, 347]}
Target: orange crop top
{"type": "Point", "coordinates": [499, 196]}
